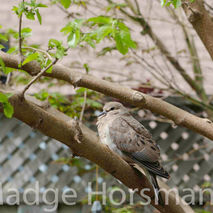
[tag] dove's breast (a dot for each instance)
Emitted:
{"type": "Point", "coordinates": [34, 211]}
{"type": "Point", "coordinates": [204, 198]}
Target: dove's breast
{"type": "Point", "coordinates": [103, 130]}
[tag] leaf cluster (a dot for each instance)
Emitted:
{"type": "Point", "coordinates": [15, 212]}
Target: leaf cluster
{"type": "Point", "coordinates": [175, 3]}
{"type": "Point", "coordinates": [8, 108]}
{"type": "Point", "coordinates": [29, 9]}
{"type": "Point", "coordinates": [73, 106]}
{"type": "Point", "coordinates": [100, 27]}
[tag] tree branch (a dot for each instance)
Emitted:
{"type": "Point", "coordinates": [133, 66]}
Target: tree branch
{"type": "Point", "coordinates": [148, 30]}
{"type": "Point", "coordinates": [59, 126]}
{"type": "Point", "coordinates": [20, 36]}
{"type": "Point", "coordinates": [201, 21]}
{"type": "Point", "coordinates": [156, 105]}
{"type": "Point", "coordinates": [38, 76]}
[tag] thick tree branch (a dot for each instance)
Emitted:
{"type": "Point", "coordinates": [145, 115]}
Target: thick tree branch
{"type": "Point", "coordinates": [179, 116]}
{"type": "Point", "coordinates": [59, 126]}
{"type": "Point", "coordinates": [202, 22]}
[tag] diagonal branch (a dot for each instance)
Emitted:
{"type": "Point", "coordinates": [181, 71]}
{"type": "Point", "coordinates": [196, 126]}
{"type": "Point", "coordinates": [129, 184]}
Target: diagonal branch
{"type": "Point", "coordinates": [156, 105]}
{"type": "Point", "coordinates": [163, 49]}
{"type": "Point", "coordinates": [38, 76]}
{"type": "Point", "coordinates": [201, 21]}
{"type": "Point", "coordinates": [58, 126]}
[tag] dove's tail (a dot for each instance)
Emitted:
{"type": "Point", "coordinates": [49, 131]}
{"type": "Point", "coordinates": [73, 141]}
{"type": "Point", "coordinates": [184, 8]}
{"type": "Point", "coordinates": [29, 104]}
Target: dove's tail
{"type": "Point", "coordinates": [156, 189]}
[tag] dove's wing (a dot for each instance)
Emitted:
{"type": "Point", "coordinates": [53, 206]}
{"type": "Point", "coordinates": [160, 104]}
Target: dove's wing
{"type": "Point", "coordinates": [135, 141]}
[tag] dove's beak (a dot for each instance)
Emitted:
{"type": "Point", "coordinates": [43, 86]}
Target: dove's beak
{"type": "Point", "coordinates": [102, 113]}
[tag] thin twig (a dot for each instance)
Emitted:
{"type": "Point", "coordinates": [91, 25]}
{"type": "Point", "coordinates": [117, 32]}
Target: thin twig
{"type": "Point", "coordinates": [190, 152]}
{"type": "Point", "coordinates": [83, 107]}
{"type": "Point", "coordinates": [96, 181]}
{"type": "Point", "coordinates": [69, 14]}
{"type": "Point", "coordinates": [38, 76]}
{"type": "Point", "coordinates": [39, 50]}
{"type": "Point", "coordinates": [138, 7]}
{"type": "Point", "coordinates": [20, 37]}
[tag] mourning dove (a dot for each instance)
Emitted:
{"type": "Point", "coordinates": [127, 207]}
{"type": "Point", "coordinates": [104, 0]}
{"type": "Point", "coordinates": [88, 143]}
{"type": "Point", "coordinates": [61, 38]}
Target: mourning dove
{"type": "Point", "coordinates": [132, 141]}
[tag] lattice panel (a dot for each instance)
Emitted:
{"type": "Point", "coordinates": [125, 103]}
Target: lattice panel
{"type": "Point", "coordinates": [185, 154]}
{"type": "Point", "coordinates": [27, 156]}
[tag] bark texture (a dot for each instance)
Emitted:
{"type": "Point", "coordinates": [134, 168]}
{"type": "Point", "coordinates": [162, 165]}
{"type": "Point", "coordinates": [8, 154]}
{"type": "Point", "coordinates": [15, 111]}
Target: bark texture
{"type": "Point", "coordinates": [201, 21]}
{"type": "Point", "coordinates": [179, 116]}
{"type": "Point", "coordinates": [84, 142]}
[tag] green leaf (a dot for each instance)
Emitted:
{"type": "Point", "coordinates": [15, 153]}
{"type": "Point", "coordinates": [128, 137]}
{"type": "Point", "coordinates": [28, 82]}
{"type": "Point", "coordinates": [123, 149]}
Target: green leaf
{"type": "Point", "coordinates": [18, 10]}
{"type": "Point", "coordinates": [86, 66]}
{"type": "Point", "coordinates": [120, 45]}
{"type": "Point", "coordinates": [2, 65]}
{"type": "Point", "coordinates": [66, 3]}
{"type": "Point", "coordinates": [53, 43]}
{"type": "Point", "coordinates": [3, 37]}
{"type": "Point", "coordinates": [8, 70]}
{"type": "Point", "coordinates": [3, 98]}
{"type": "Point", "coordinates": [8, 109]}
{"type": "Point", "coordinates": [102, 32]}
{"type": "Point", "coordinates": [51, 68]}
{"type": "Point", "coordinates": [73, 39]}
{"type": "Point", "coordinates": [163, 2]}
{"type": "Point", "coordinates": [30, 15]}
{"type": "Point", "coordinates": [42, 95]}
{"type": "Point", "coordinates": [11, 50]}
{"type": "Point", "coordinates": [176, 3]}
{"type": "Point", "coordinates": [60, 53]}
{"type": "Point", "coordinates": [26, 32]}
{"type": "Point", "coordinates": [72, 26]}
{"type": "Point", "coordinates": [30, 58]}
{"type": "Point", "coordinates": [101, 20]}
{"type": "Point", "coordinates": [93, 104]}
{"type": "Point", "coordinates": [87, 38]}
{"type": "Point", "coordinates": [39, 16]}
{"type": "Point", "coordinates": [115, 5]}
{"type": "Point", "coordinates": [1, 46]}
{"type": "Point", "coordinates": [123, 38]}
{"type": "Point", "coordinates": [41, 5]}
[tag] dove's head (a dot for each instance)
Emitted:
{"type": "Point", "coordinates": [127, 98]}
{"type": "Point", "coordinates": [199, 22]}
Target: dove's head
{"type": "Point", "coordinates": [113, 108]}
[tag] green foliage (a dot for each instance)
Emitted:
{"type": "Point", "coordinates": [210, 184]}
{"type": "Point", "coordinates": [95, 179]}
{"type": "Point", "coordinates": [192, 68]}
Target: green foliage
{"type": "Point", "coordinates": [202, 211]}
{"type": "Point", "coordinates": [25, 33]}
{"type": "Point", "coordinates": [66, 3]}
{"type": "Point", "coordinates": [60, 50]}
{"type": "Point", "coordinates": [113, 28]}
{"type": "Point", "coordinates": [206, 184]}
{"type": "Point", "coordinates": [115, 6]}
{"type": "Point", "coordinates": [30, 9]}
{"type": "Point", "coordinates": [100, 28]}
{"type": "Point", "coordinates": [86, 67]}
{"type": "Point", "coordinates": [30, 58]}
{"type": "Point", "coordinates": [71, 107]}
{"type": "Point", "coordinates": [3, 37]}
{"type": "Point", "coordinates": [2, 65]}
{"type": "Point", "coordinates": [8, 108]}
{"type": "Point", "coordinates": [56, 50]}
{"type": "Point", "coordinates": [1, 47]}
{"type": "Point", "coordinates": [72, 29]}
{"type": "Point", "coordinates": [5, 69]}
{"type": "Point", "coordinates": [175, 3]}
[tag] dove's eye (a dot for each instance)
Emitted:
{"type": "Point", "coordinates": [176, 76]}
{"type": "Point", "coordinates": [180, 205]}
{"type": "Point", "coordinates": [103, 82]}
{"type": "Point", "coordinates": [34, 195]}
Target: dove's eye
{"type": "Point", "coordinates": [110, 109]}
